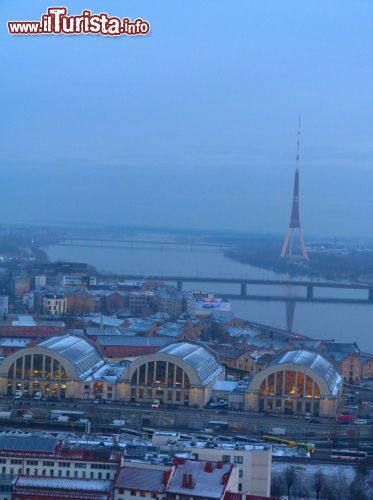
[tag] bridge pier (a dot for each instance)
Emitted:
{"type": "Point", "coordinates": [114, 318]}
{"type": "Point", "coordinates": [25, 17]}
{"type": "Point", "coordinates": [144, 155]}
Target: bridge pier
{"type": "Point", "coordinates": [179, 286]}
{"type": "Point", "coordinates": [370, 295]}
{"type": "Point", "coordinates": [243, 289]}
{"type": "Point", "coordinates": [310, 292]}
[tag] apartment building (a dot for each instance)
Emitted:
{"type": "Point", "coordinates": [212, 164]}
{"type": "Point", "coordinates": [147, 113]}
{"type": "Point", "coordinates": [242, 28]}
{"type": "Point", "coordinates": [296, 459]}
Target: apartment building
{"type": "Point", "coordinates": [54, 304]}
{"type": "Point", "coordinates": [201, 479]}
{"type": "Point", "coordinates": [185, 478]}
{"type": "Point", "coordinates": [253, 462]}
{"type": "Point", "coordinates": [47, 456]}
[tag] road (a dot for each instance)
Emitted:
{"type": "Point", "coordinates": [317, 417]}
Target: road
{"type": "Point", "coordinates": [239, 421]}
{"type": "Point", "coordinates": [250, 424]}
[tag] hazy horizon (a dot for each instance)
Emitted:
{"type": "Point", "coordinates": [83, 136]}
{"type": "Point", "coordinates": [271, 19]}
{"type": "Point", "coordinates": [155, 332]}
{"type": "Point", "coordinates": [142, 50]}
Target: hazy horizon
{"type": "Point", "coordinates": [194, 126]}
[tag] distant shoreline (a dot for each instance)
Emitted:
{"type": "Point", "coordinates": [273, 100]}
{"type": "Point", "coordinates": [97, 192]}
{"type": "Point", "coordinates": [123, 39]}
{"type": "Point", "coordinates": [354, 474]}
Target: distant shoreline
{"type": "Point", "coordinates": [355, 266]}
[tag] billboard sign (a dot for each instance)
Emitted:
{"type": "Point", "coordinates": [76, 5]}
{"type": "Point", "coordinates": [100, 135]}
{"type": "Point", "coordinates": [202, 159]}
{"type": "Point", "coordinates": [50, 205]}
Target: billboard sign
{"type": "Point", "coordinates": [206, 304]}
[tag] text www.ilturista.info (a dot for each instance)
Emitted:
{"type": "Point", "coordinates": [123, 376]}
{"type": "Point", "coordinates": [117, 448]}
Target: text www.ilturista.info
{"type": "Point", "coordinates": [57, 22]}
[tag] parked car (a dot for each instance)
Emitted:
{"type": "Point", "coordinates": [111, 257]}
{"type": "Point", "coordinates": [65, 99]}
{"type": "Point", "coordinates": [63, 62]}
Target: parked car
{"type": "Point", "coordinates": [345, 419]}
{"type": "Point", "coordinates": [360, 421]}
{"type": "Point", "coordinates": [341, 434]}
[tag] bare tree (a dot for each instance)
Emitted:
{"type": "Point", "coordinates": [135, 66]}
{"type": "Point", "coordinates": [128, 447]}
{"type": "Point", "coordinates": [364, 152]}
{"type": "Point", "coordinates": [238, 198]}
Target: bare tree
{"type": "Point", "coordinates": [289, 478]}
{"type": "Point", "coordinates": [336, 487]}
{"type": "Point", "coordinates": [362, 469]}
{"type": "Point", "coordinates": [300, 488]}
{"type": "Point", "coordinates": [277, 488]}
{"type": "Point", "coordinates": [328, 490]}
{"type": "Point", "coordinates": [318, 483]}
{"type": "Point", "coordinates": [341, 485]}
{"type": "Point", "coordinates": [357, 490]}
{"type": "Point", "coordinates": [358, 485]}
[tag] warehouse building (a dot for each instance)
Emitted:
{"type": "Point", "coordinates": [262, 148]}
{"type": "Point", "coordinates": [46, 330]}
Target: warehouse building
{"type": "Point", "coordinates": [179, 373]}
{"type": "Point", "coordinates": [67, 366]}
{"type": "Point", "coordinates": [72, 366]}
{"type": "Point", "coordinates": [296, 382]}
{"type": "Point", "coordinates": [182, 373]}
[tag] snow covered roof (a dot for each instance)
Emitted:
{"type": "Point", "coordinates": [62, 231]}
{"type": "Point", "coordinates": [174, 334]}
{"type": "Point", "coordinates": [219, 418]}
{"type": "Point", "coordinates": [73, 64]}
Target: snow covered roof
{"type": "Point", "coordinates": [83, 354]}
{"type": "Point", "coordinates": [14, 342]}
{"type": "Point", "coordinates": [225, 385]}
{"type": "Point", "coordinates": [202, 359]}
{"type": "Point", "coordinates": [133, 341]}
{"type": "Point", "coordinates": [171, 329]}
{"type": "Point", "coordinates": [107, 321]}
{"type": "Point", "coordinates": [316, 362]}
{"type": "Point", "coordinates": [63, 483]}
{"type": "Point", "coordinates": [24, 320]}
{"type": "Point", "coordinates": [110, 372]}
{"type": "Point", "coordinates": [205, 483]}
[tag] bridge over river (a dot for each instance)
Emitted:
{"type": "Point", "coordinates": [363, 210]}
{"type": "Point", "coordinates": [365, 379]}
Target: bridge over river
{"type": "Point", "coordinates": [243, 283]}
{"type": "Point", "coordinates": [104, 242]}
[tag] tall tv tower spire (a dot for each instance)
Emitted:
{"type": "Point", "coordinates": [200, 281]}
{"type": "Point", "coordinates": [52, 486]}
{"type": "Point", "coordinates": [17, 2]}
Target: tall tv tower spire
{"type": "Point", "coordinates": [294, 224]}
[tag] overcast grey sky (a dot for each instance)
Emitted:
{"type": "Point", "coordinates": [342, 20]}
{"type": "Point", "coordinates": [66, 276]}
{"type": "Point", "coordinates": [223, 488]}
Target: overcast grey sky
{"type": "Point", "coordinates": [194, 125]}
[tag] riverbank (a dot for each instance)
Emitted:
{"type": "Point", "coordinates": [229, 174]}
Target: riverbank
{"type": "Point", "coordinates": [342, 322]}
{"type": "Point", "coordinates": [335, 265]}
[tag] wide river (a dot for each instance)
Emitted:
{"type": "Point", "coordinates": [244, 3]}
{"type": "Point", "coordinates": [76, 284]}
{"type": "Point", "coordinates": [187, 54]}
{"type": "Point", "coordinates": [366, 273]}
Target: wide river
{"type": "Point", "coordinates": [342, 322]}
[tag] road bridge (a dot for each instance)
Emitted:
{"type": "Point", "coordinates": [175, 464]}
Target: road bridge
{"type": "Point", "coordinates": [243, 283]}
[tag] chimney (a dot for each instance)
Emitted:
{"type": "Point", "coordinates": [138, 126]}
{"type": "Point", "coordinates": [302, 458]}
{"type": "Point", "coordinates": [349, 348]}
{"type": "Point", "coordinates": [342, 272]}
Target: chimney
{"type": "Point", "coordinates": [208, 467]}
{"type": "Point", "coordinates": [166, 476]}
{"type": "Point", "coordinates": [185, 484]}
{"type": "Point", "coordinates": [190, 481]}
{"type": "Point", "coordinates": [224, 479]}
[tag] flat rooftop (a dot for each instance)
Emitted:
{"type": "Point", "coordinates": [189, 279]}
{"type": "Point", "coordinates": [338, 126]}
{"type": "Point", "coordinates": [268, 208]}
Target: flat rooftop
{"type": "Point", "coordinates": [224, 446]}
{"type": "Point", "coordinates": [32, 443]}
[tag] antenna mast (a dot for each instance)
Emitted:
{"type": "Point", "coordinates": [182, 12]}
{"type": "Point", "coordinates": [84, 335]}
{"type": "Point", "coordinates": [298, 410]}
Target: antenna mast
{"type": "Point", "coordinates": [287, 247]}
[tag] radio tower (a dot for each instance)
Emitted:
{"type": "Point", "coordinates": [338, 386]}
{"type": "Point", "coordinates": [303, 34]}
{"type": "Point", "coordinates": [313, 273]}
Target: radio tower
{"type": "Point", "coordinates": [287, 247]}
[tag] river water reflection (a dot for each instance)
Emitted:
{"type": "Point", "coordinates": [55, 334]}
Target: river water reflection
{"type": "Point", "coordinates": [343, 322]}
